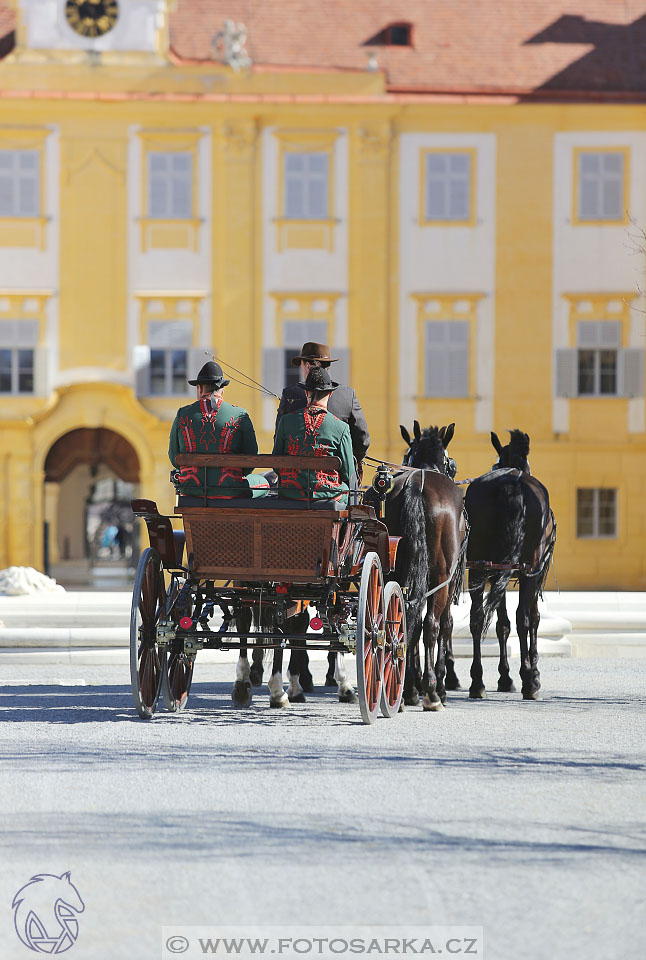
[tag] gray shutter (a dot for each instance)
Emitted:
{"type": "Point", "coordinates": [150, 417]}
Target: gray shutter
{"type": "Point", "coordinates": [41, 385]}
{"type": "Point", "coordinates": [341, 371]}
{"type": "Point", "coordinates": [273, 369]}
{"type": "Point", "coordinates": [632, 372]}
{"type": "Point", "coordinates": [141, 364]}
{"type": "Point", "coordinates": [566, 373]}
{"type": "Point", "coordinates": [457, 359]}
{"type": "Point", "coordinates": [435, 369]}
{"type": "Point", "coordinates": [197, 357]}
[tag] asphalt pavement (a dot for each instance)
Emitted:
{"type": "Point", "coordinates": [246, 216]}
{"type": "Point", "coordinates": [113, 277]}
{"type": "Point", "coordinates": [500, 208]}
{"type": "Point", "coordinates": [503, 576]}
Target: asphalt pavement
{"type": "Point", "coordinates": [526, 819]}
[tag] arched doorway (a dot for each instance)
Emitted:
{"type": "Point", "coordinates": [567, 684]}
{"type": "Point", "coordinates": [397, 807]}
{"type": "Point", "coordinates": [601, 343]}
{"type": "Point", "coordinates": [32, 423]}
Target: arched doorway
{"type": "Point", "coordinates": [90, 477]}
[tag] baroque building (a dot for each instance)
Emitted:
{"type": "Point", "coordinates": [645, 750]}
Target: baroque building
{"type": "Point", "coordinates": [452, 195]}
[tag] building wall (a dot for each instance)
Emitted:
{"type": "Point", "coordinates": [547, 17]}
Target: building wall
{"type": "Point", "coordinates": [375, 275]}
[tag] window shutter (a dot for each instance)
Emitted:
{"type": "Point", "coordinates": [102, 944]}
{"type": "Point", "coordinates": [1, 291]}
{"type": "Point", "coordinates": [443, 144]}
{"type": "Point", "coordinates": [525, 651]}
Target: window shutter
{"type": "Point", "coordinates": [632, 372]}
{"type": "Point", "coordinates": [298, 332]}
{"type": "Point", "coordinates": [610, 333]}
{"type": "Point", "coordinates": [566, 373]}
{"type": "Point", "coordinates": [435, 379]}
{"type": "Point", "coordinates": [273, 369]}
{"type": "Point", "coordinates": [170, 334]}
{"type": "Point", "coordinates": [341, 371]}
{"type": "Point", "coordinates": [141, 363]}
{"type": "Point", "coordinates": [41, 386]}
{"type": "Point", "coordinates": [197, 357]}
{"type": "Point", "coordinates": [457, 365]}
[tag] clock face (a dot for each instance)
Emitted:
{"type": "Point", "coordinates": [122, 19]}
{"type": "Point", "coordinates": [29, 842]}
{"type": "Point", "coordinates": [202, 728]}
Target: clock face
{"type": "Point", "coordinates": [91, 18]}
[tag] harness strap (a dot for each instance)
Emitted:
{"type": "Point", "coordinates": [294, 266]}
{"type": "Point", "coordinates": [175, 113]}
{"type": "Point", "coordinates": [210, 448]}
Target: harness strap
{"type": "Point", "coordinates": [458, 560]}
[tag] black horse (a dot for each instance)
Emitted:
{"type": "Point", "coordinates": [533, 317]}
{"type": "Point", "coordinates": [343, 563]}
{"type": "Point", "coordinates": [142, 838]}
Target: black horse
{"type": "Point", "coordinates": [424, 508]}
{"type": "Point", "coordinates": [511, 526]}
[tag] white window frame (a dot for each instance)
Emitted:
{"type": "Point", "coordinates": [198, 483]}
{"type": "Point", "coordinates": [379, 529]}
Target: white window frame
{"type": "Point", "coordinates": [15, 372]}
{"type": "Point", "coordinates": [15, 177]}
{"type": "Point", "coordinates": [444, 350]}
{"type": "Point", "coordinates": [598, 181]}
{"type": "Point", "coordinates": [304, 178]}
{"type": "Point", "coordinates": [595, 534]}
{"type": "Point", "coordinates": [447, 178]}
{"type": "Point", "coordinates": [170, 179]}
{"type": "Point", "coordinates": [597, 337]}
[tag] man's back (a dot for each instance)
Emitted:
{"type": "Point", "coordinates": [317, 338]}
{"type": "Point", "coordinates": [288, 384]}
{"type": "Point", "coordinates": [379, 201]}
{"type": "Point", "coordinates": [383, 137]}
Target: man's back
{"type": "Point", "coordinates": [314, 431]}
{"type": "Point", "coordinates": [343, 404]}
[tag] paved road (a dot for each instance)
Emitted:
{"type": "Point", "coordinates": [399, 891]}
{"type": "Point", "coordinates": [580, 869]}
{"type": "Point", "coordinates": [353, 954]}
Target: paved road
{"type": "Point", "coordinates": [524, 818]}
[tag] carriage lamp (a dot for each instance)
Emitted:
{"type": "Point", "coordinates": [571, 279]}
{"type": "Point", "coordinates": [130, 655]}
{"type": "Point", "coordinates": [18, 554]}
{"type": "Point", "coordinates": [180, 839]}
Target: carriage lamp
{"type": "Point", "coordinates": [382, 482]}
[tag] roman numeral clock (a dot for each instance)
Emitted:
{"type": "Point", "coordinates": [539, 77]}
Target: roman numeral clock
{"type": "Point", "coordinates": [113, 30]}
{"type": "Point", "coordinates": [91, 18]}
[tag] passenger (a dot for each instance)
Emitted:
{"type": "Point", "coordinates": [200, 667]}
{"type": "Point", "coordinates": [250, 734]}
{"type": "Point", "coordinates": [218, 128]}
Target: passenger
{"type": "Point", "coordinates": [315, 431]}
{"type": "Point", "coordinates": [344, 404]}
{"type": "Point", "coordinates": [211, 425]}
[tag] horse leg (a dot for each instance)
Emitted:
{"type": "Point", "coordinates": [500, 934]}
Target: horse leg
{"type": "Point", "coordinates": [255, 674]}
{"type": "Point", "coordinates": [241, 692]}
{"type": "Point", "coordinates": [347, 692]}
{"type": "Point", "coordinates": [476, 622]}
{"type": "Point", "coordinates": [444, 639]}
{"type": "Point", "coordinates": [412, 675]}
{"type": "Point", "coordinates": [527, 619]}
{"type": "Point", "coordinates": [330, 677]}
{"type": "Point", "coordinates": [431, 699]}
{"type": "Point", "coordinates": [277, 695]}
{"type": "Point", "coordinates": [297, 663]}
{"type": "Point", "coordinates": [503, 627]}
{"type": "Point", "coordinates": [452, 681]}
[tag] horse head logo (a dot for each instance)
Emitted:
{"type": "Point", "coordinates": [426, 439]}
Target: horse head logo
{"type": "Point", "coordinates": [45, 913]}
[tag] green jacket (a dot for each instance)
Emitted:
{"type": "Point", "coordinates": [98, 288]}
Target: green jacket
{"type": "Point", "coordinates": [211, 425]}
{"type": "Point", "coordinates": [314, 431]}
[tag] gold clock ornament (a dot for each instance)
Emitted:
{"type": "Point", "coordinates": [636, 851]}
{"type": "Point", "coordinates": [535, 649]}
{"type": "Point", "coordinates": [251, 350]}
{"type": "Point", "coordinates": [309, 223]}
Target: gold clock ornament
{"type": "Point", "coordinates": [91, 18]}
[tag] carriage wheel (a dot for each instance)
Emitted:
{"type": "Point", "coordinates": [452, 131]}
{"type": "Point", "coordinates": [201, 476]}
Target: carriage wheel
{"type": "Point", "coordinates": [177, 668]}
{"type": "Point", "coordinates": [370, 637]}
{"type": "Point", "coordinates": [148, 606]}
{"type": "Point", "coordinates": [394, 650]}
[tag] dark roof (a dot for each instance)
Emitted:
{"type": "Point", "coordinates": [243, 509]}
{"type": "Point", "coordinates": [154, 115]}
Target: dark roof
{"type": "Point", "coordinates": [479, 46]}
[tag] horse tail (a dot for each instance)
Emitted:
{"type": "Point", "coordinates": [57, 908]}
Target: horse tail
{"type": "Point", "coordinates": [510, 508]}
{"type": "Point", "coordinates": [413, 571]}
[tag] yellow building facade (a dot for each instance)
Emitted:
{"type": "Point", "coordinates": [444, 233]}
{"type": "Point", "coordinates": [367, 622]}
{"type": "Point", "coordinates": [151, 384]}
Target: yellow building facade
{"type": "Point", "coordinates": [467, 261]}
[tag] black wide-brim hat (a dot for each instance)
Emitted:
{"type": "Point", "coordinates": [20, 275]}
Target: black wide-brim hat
{"type": "Point", "coordinates": [315, 351]}
{"type": "Point", "coordinates": [211, 372]}
{"type": "Point", "coordinates": [319, 379]}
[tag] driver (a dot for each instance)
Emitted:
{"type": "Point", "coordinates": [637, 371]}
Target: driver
{"type": "Point", "coordinates": [211, 425]}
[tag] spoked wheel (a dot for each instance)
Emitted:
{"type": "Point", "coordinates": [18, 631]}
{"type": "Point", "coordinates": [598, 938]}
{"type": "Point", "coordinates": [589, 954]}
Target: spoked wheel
{"type": "Point", "coordinates": [370, 637]}
{"type": "Point", "coordinates": [148, 606]}
{"type": "Point", "coordinates": [394, 650]}
{"type": "Point", "coordinates": [177, 668]}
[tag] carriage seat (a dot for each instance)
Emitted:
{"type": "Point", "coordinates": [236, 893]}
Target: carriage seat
{"type": "Point", "coordinates": [260, 503]}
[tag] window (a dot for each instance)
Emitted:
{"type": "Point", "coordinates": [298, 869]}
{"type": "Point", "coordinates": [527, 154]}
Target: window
{"type": "Point", "coordinates": [394, 35]}
{"type": "Point", "coordinates": [446, 351]}
{"type": "Point", "coordinates": [295, 334]}
{"type": "Point", "coordinates": [596, 513]}
{"type": "Point", "coordinates": [19, 183]}
{"type": "Point", "coordinates": [169, 343]}
{"type": "Point", "coordinates": [306, 186]}
{"type": "Point", "coordinates": [447, 186]}
{"type": "Point", "coordinates": [601, 186]}
{"type": "Point", "coordinates": [599, 344]}
{"type": "Point", "coordinates": [170, 185]}
{"type": "Point", "coordinates": [16, 371]}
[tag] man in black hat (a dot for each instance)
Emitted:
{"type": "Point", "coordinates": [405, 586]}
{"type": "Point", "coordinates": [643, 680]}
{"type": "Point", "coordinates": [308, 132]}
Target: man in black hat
{"type": "Point", "coordinates": [211, 425]}
{"type": "Point", "coordinates": [343, 402]}
{"type": "Point", "coordinates": [315, 431]}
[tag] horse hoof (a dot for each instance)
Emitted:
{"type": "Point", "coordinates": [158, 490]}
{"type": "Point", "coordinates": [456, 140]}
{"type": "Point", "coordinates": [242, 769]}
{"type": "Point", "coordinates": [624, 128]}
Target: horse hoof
{"type": "Point", "coordinates": [452, 683]}
{"type": "Point", "coordinates": [297, 698]}
{"type": "Point", "coordinates": [255, 676]}
{"type": "Point", "coordinates": [433, 706]}
{"type": "Point", "coordinates": [280, 702]}
{"type": "Point", "coordinates": [330, 681]}
{"type": "Point", "coordinates": [506, 686]}
{"type": "Point", "coordinates": [477, 693]}
{"type": "Point", "coordinates": [241, 693]}
{"type": "Point", "coordinates": [306, 682]}
{"type": "Point", "coordinates": [411, 700]}
{"type": "Point", "coordinates": [531, 695]}
{"type": "Point", "coordinates": [348, 696]}
{"type": "Point", "coordinates": [402, 708]}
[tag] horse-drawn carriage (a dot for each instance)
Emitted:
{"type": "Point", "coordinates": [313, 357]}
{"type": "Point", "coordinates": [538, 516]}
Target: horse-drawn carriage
{"type": "Point", "coordinates": [264, 557]}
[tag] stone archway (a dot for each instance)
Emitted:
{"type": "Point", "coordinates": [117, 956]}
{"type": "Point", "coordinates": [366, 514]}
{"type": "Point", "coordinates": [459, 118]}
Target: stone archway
{"type": "Point", "coordinates": [80, 463]}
